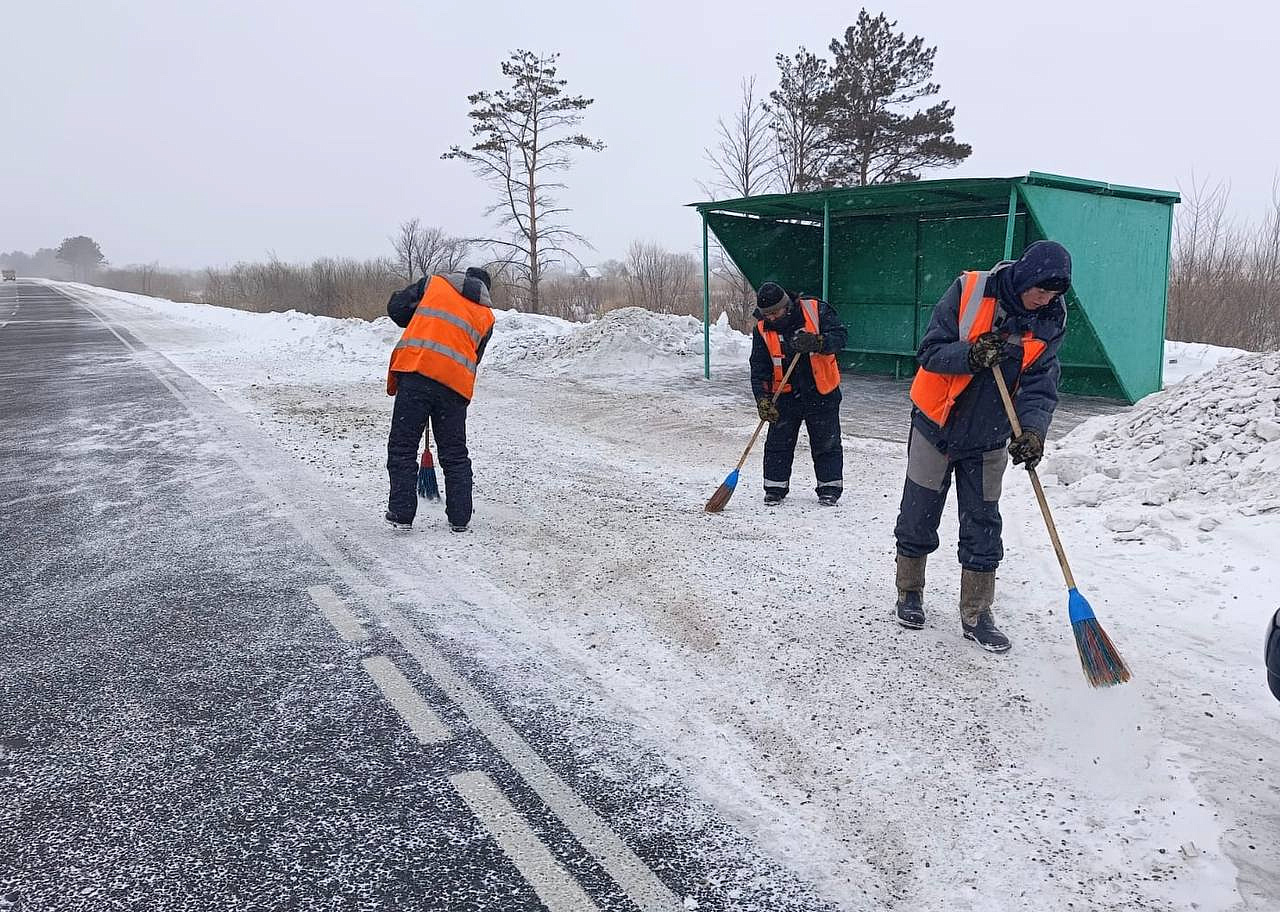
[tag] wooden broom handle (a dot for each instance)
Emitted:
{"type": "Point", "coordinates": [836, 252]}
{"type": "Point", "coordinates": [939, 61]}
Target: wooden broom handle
{"type": "Point", "coordinates": [1035, 479]}
{"type": "Point", "coordinates": [774, 400]}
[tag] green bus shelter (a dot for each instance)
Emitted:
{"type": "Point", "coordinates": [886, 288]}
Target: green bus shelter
{"type": "Point", "coordinates": [883, 255]}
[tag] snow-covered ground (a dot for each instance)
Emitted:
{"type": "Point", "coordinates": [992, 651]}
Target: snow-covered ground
{"type": "Point", "coordinates": [756, 649]}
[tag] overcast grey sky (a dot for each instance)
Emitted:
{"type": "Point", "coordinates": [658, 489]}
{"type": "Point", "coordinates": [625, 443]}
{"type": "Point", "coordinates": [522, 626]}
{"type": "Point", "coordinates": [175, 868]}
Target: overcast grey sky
{"type": "Point", "coordinates": [198, 133]}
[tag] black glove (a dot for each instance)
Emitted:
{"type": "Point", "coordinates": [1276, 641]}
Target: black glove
{"type": "Point", "coordinates": [1026, 448]}
{"type": "Point", "coordinates": [768, 411]}
{"type": "Point", "coordinates": [986, 351]}
{"type": "Point", "coordinates": [804, 342]}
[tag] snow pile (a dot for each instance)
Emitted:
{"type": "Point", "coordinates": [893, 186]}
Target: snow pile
{"type": "Point", "coordinates": [1209, 443]}
{"type": "Point", "coordinates": [518, 336]}
{"type": "Point", "coordinates": [627, 341]}
{"type": "Point", "coordinates": [349, 346]}
{"type": "Point", "coordinates": [1183, 360]}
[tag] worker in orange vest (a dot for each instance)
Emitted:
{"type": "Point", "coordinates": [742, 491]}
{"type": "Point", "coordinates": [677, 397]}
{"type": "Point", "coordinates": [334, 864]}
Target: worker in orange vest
{"type": "Point", "coordinates": [1012, 319]}
{"type": "Point", "coordinates": [794, 326]}
{"type": "Point", "coordinates": [448, 320]}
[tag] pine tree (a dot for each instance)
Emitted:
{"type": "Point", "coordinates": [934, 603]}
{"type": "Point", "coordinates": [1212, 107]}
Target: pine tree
{"type": "Point", "coordinates": [877, 132]}
{"type": "Point", "coordinates": [524, 134]}
{"type": "Point", "coordinates": [797, 119]}
{"type": "Point", "coordinates": [82, 254]}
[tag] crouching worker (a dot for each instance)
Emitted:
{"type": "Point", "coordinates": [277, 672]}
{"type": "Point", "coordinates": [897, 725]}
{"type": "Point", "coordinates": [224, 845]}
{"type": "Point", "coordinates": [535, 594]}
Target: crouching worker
{"type": "Point", "coordinates": [809, 329]}
{"type": "Point", "coordinates": [1011, 319]}
{"type": "Point", "coordinates": [448, 320]}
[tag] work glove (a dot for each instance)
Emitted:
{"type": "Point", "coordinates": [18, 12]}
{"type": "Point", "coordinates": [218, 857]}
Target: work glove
{"type": "Point", "coordinates": [1027, 448]}
{"type": "Point", "coordinates": [804, 342]}
{"type": "Point", "coordinates": [767, 409]}
{"type": "Point", "coordinates": [986, 351]}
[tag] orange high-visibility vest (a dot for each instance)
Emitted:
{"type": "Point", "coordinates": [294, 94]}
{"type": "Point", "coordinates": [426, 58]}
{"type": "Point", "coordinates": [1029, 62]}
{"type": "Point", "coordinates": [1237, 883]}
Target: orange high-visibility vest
{"type": "Point", "coordinates": [442, 339]}
{"type": "Point", "coordinates": [936, 394]}
{"type": "Point", "coordinates": [826, 372]}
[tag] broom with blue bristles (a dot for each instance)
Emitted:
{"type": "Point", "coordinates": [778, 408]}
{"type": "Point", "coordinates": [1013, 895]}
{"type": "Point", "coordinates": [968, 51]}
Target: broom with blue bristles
{"type": "Point", "coordinates": [721, 497]}
{"type": "Point", "coordinates": [428, 488]}
{"type": "Point", "coordinates": [1098, 655]}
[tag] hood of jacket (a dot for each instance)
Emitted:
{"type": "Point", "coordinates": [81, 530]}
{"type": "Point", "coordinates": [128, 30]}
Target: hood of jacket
{"type": "Point", "coordinates": [470, 287]}
{"type": "Point", "coordinates": [1013, 277]}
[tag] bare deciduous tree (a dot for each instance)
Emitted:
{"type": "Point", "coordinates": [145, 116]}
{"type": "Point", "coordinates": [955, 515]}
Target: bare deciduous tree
{"type": "Point", "coordinates": [741, 296]}
{"type": "Point", "coordinates": [524, 135]}
{"type": "Point", "coordinates": [580, 294]}
{"type": "Point", "coordinates": [427, 251]}
{"type": "Point", "coordinates": [743, 158]}
{"type": "Point", "coordinates": [405, 245]}
{"type": "Point", "coordinates": [150, 279]}
{"type": "Point", "coordinates": [330, 286]}
{"type": "Point", "coordinates": [439, 252]}
{"type": "Point", "coordinates": [1223, 276]}
{"type": "Point", "coordinates": [662, 281]}
{"type": "Point", "coordinates": [745, 162]}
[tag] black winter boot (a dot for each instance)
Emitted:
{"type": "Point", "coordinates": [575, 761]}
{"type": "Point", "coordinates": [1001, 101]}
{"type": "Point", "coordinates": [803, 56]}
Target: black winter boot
{"type": "Point", "coordinates": [977, 592]}
{"type": "Point", "coordinates": [398, 523]}
{"type": "Point", "coordinates": [773, 496]}
{"type": "Point", "coordinates": [910, 583]}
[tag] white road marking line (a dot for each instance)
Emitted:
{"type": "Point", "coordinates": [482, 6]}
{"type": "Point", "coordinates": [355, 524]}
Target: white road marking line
{"type": "Point", "coordinates": [632, 875]}
{"type": "Point", "coordinates": [337, 614]}
{"type": "Point", "coordinates": [643, 887]}
{"type": "Point", "coordinates": [556, 888]}
{"type": "Point", "coordinates": [421, 719]}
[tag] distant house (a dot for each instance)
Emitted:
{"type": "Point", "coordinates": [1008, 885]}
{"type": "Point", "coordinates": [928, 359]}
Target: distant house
{"type": "Point", "coordinates": [591, 272]}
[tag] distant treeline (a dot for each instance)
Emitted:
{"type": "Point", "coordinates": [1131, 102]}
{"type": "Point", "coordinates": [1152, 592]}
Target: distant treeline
{"type": "Point", "coordinates": [1222, 286]}
{"type": "Point", "coordinates": [650, 277]}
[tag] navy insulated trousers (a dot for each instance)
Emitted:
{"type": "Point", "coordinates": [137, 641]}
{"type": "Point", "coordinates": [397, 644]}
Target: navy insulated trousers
{"type": "Point", "coordinates": [419, 399]}
{"type": "Point", "coordinates": [978, 481]}
{"type": "Point", "coordinates": [821, 418]}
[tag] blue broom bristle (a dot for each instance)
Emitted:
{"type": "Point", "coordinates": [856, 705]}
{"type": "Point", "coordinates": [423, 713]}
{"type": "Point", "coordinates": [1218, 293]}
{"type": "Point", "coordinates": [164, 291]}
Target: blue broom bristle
{"type": "Point", "coordinates": [1098, 655]}
{"type": "Point", "coordinates": [428, 488]}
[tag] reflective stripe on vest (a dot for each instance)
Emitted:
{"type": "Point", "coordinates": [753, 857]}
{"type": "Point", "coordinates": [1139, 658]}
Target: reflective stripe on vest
{"type": "Point", "coordinates": [826, 371]}
{"type": "Point", "coordinates": [462, 359]}
{"type": "Point", "coordinates": [969, 325]}
{"type": "Point", "coordinates": [935, 394]}
{"type": "Point", "coordinates": [450, 318]}
{"type": "Point", "coordinates": [442, 339]}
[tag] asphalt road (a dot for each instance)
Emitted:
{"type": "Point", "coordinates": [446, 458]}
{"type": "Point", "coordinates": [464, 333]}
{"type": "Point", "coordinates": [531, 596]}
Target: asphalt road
{"type": "Point", "coordinates": [207, 704]}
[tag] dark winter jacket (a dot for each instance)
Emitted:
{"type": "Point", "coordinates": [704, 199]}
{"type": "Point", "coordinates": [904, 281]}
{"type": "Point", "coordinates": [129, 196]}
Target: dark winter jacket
{"type": "Point", "coordinates": [834, 335]}
{"type": "Point", "coordinates": [1273, 655]}
{"type": "Point", "coordinates": [403, 303]}
{"type": "Point", "coordinates": [978, 422]}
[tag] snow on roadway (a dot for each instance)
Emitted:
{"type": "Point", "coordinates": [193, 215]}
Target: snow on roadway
{"type": "Point", "coordinates": [756, 649]}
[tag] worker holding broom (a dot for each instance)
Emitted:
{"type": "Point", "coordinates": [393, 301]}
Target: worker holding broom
{"type": "Point", "coordinates": [1012, 319]}
{"type": "Point", "coordinates": [448, 320]}
{"type": "Point", "coordinates": [809, 330]}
